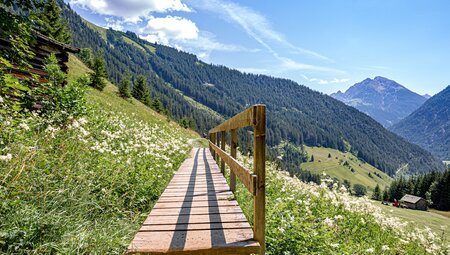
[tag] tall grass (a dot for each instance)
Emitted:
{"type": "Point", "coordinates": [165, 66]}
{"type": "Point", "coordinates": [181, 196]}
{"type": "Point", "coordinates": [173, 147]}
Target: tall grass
{"type": "Point", "coordinates": [306, 218]}
{"type": "Point", "coordinates": [84, 187]}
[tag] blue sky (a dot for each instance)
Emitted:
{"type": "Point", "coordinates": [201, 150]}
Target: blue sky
{"type": "Point", "coordinates": [325, 45]}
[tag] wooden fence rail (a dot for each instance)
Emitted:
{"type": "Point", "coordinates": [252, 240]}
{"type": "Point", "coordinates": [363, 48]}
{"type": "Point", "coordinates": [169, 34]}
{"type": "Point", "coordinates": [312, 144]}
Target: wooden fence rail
{"type": "Point", "coordinates": [255, 117]}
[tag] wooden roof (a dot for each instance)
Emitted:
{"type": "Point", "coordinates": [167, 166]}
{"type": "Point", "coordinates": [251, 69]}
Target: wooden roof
{"type": "Point", "coordinates": [410, 199]}
{"type": "Point", "coordinates": [55, 43]}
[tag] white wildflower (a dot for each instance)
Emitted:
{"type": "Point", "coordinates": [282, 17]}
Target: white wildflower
{"type": "Point", "coordinates": [75, 124]}
{"type": "Point", "coordinates": [334, 245]}
{"type": "Point", "coordinates": [338, 217]}
{"type": "Point", "coordinates": [1, 100]}
{"type": "Point", "coordinates": [6, 157]}
{"type": "Point", "coordinates": [329, 222]}
{"type": "Point", "coordinates": [370, 250]}
{"type": "Point", "coordinates": [82, 121]}
{"type": "Point", "coordinates": [83, 131]}
{"type": "Point", "coordinates": [385, 248]}
{"type": "Point", "coordinates": [24, 126]}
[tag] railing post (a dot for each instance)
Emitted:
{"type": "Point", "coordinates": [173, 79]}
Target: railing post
{"type": "Point", "coordinates": [222, 146]}
{"type": "Point", "coordinates": [217, 142]}
{"type": "Point", "coordinates": [233, 146]}
{"type": "Point", "coordinates": [212, 137]}
{"type": "Point", "coordinates": [259, 168]}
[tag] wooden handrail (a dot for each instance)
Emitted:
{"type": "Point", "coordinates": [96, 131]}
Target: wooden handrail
{"type": "Point", "coordinates": [255, 182]}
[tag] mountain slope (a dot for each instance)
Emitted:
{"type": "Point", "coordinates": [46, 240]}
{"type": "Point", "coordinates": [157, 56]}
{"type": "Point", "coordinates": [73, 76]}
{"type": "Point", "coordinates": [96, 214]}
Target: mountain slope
{"type": "Point", "coordinates": [295, 113]}
{"type": "Point", "coordinates": [429, 126]}
{"type": "Point", "coordinates": [382, 99]}
{"type": "Point", "coordinates": [345, 166]}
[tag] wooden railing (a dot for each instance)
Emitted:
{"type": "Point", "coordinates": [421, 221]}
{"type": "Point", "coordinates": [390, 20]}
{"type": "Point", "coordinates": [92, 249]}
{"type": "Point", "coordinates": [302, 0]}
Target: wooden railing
{"type": "Point", "coordinates": [255, 181]}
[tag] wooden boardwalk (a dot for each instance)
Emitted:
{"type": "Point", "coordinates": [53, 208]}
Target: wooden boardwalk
{"type": "Point", "coordinates": [196, 214]}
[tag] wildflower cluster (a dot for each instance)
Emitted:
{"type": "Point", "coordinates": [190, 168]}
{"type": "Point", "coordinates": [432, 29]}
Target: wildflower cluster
{"type": "Point", "coordinates": [306, 218]}
{"type": "Point", "coordinates": [84, 185]}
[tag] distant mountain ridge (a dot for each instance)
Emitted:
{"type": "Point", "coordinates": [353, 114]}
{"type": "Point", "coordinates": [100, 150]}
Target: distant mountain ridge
{"type": "Point", "coordinates": [429, 126]}
{"type": "Point", "coordinates": [384, 100]}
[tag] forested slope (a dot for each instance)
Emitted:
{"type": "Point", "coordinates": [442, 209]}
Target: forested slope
{"type": "Point", "coordinates": [295, 113]}
{"type": "Point", "coordinates": [429, 126]}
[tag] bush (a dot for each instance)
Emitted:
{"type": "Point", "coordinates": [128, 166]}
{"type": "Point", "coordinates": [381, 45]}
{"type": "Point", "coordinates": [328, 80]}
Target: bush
{"type": "Point", "coordinates": [359, 189]}
{"type": "Point", "coordinates": [67, 102]}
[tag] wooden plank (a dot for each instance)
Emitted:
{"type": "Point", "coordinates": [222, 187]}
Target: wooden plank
{"type": "Point", "coordinates": [243, 119]}
{"type": "Point", "coordinates": [244, 175]}
{"type": "Point", "coordinates": [192, 193]}
{"type": "Point", "coordinates": [194, 219]}
{"type": "Point", "coordinates": [259, 167]}
{"type": "Point", "coordinates": [196, 204]}
{"type": "Point", "coordinates": [243, 224]}
{"type": "Point", "coordinates": [226, 241]}
{"type": "Point", "coordinates": [196, 211]}
{"type": "Point", "coordinates": [196, 198]}
{"type": "Point", "coordinates": [224, 193]}
{"type": "Point", "coordinates": [212, 186]}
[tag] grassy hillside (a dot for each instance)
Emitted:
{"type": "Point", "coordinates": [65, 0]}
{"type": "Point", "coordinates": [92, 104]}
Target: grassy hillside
{"type": "Point", "coordinates": [131, 42]}
{"type": "Point", "coordinates": [82, 181]}
{"type": "Point", "coordinates": [437, 221]}
{"type": "Point", "coordinates": [336, 167]}
{"type": "Point", "coordinates": [101, 31]}
{"type": "Point", "coordinates": [315, 219]}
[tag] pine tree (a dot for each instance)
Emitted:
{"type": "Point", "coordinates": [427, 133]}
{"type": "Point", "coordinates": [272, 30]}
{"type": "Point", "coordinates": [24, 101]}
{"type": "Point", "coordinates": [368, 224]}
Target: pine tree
{"type": "Point", "coordinates": [157, 106]}
{"type": "Point", "coordinates": [376, 195]}
{"type": "Point", "coordinates": [97, 78]}
{"type": "Point", "coordinates": [56, 77]}
{"type": "Point", "coordinates": [385, 195]}
{"type": "Point", "coordinates": [86, 56]}
{"type": "Point", "coordinates": [51, 24]}
{"type": "Point", "coordinates": [329, 155]}
{"type": "Point", "coordinates": [312, 158]}
{"type": "Point", "coordinates": [125, 84]}
{"type": "Point", "coordinates": [141, 91]}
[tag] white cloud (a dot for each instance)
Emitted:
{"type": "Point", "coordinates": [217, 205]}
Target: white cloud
{"type": "Point", "coordinates": [323, 82]}
{"type": "Point", "coordinates": [114, 24]}
{"type": "Point", "coordinates": [253, 23]}
{"type": "Point", "coordinates": [184, 34]}
{"type": "Point", "coordinates": [131, 10]}
{"type": "Point", "coordinates": [163, 30]}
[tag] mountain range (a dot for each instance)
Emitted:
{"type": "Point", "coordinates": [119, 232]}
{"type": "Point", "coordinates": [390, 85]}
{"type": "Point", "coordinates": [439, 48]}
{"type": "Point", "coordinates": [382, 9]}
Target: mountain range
{"type": "Point", "coordinates": [429, 126]}
{"type": "Point", "coordinates": [384, 100]}
{"type": "Point", "coordinates": [205, 94]}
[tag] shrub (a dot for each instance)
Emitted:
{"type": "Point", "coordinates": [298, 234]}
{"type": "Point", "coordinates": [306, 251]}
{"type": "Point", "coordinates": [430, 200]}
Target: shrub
{"type": "Point", "coordinates": [66, 103]}
{"type": "Point", "coordinates": [359, 189]}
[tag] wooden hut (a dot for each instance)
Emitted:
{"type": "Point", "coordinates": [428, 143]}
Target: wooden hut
{"type": "Point", "coordinates": [413, 202]}
{"type": "Point", "coordinates": [42, 48]}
